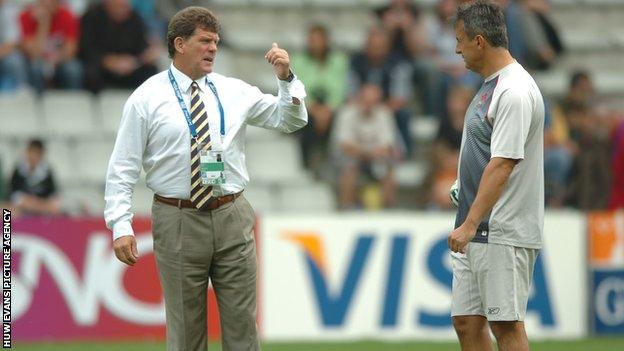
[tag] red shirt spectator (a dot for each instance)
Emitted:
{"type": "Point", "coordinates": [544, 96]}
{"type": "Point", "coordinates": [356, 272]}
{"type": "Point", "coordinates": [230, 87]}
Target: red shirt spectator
{"type": "Point", "coordinates": [50, 42]}
{"type": "Point", "coordinates": [63, 24]}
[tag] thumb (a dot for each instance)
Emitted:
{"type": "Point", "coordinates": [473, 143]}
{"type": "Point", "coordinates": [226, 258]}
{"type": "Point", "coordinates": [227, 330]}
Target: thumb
{"type": "Point", "coordinates": [274, 45]}
{"type": "Point", "coordinates": [135, 252]}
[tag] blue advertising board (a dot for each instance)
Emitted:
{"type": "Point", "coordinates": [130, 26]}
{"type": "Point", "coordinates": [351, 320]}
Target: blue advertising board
{"type": "Point", "coordinates": [608, 301]}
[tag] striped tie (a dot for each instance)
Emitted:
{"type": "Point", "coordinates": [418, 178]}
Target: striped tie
{"type": "Point", "coordinates": [200, 194]}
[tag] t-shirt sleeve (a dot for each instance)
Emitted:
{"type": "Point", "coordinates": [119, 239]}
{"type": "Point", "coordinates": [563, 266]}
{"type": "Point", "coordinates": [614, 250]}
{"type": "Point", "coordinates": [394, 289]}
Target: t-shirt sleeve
{"type": "Point", "coordinates": [511, 124]}
{"type": "Point", "coordinates": [70, 25]}
{"type": "Point", "coordinates": [27, 25]}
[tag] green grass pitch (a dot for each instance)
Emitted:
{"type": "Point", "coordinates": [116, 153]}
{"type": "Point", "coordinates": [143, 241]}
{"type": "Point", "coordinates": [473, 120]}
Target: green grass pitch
{"type": "Point", "coordinates": [595, 344]}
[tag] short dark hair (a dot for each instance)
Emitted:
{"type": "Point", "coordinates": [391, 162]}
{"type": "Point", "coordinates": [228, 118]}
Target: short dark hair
{"type": "Point", "coordinates": [184, 23]}
{"type": "Point", "coordinates": [484, 18]}
{"type": "Point", "coordinates": [318, 27]}
{"type": "Point", "coordinates": [36, 144]}
{"type": "Point", "coordinates": [577, 77]}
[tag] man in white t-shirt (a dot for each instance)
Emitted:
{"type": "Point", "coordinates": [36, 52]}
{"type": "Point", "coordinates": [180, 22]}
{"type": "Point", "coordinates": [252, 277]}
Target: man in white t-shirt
{"type": "Point", "coordinates": [364, 140]}
{"type": "Point", "coordinates": [498, 228]}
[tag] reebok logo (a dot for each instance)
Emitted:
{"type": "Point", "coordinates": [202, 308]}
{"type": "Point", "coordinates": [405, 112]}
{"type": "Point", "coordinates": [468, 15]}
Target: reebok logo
{"type": "Point", "coordinates": [493, 310]}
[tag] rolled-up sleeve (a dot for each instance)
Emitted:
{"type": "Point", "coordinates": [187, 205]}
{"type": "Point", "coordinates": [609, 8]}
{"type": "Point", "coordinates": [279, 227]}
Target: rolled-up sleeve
{"type": "Point", "coordinates": [124, 169]}
{"type": "Point", "coordinates": [281, 112]}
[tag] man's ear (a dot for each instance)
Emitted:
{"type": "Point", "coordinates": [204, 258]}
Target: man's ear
{"type": "Point", "coordinates": [480, 41]}
{"type": "Point", "coordinates": [178, 44]}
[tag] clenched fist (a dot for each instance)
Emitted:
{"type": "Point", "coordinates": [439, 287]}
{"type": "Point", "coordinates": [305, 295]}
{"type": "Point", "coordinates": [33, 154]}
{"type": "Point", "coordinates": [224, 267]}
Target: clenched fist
{"type": "Point", "coordinates": [280, 60]}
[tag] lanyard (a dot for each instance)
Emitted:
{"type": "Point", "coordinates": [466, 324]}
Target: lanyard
{"type": "Point", "coordinates": [187, 115]}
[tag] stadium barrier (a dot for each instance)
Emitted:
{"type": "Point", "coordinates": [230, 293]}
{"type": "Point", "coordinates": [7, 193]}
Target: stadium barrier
{"type": "Point", "coordinates": [339, 276]}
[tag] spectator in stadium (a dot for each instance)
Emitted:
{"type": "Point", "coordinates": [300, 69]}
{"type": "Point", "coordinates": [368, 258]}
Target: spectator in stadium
{"type": "Point", "coordinates": [513, 21]}
{"type": "Point", "coordinates": [399, 17]}
{"type": "Point", "coordinates": [581, 91]}
{"type": "Point", "coordinates": [588, 145]}
{"type": "Point", "coordinates": [542, 38]}
{"type": "Point", "coordinates": [376, 65]}
{"type": "Point", "coordinates": [425, 77]}
{"type": "Point", "coordinates": [155, 25]}
{"type": "Point", "coordinates": [446, 146]}
{"type": "Point", "coordinates": [617, 168]}
{"type": "Point", "coordinates": [323, 70]}
{"type": "Point", "coordinates": [50, 43]}
{"type": "Point", "coordinates": [590, 176]}
{"type": "Point", "coordinates": [448, 68]}
{"type": "Point", "coordinates": [12, 65]}
{"type": "Point", "coordinates": [500, 217]}
{"type": "Point", "coordinates": [561, 138]}
{"type": "Point", "coordinates": [195, 164]}
{"type": "Point", "coordinates": [115, 47]}
{"type": "Point", "coordinates": [533, 39]}
{"type": "Point", "coordinates": [33, 189]}
{"type": "Point", "coordinates": [559, 152]}
{"type": "Point", "coordinates": [364, 141]}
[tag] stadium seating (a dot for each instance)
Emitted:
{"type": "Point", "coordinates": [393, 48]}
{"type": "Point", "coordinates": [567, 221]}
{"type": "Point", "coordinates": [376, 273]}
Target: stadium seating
{"type": "Point", "coordinates": [111, 103]}
{"type": "Point", "coordinates": [62, 156]}
{"type": "Point", "coordinates": [274, 162]}
{"type": "Point", "coordinates": [84, 200]}
{"type": "Point", "coordinates": [92, 157]}
{"type": "Point", "coordinates": [261, 196]}
{"type": "Point", "coordinates": [80, 128]}
{"type": "Point", "coordinates": [306, 198]}
{"type": "Point", "coordinates": [8, 156]}
{"type": "Point", "coordinates": [21, 116]}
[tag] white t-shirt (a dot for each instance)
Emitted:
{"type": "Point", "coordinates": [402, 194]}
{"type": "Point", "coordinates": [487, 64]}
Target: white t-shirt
{"type": "Point", "coordinates": [506, 119]}
{"type": "Point", "coordinates": [367, 132]}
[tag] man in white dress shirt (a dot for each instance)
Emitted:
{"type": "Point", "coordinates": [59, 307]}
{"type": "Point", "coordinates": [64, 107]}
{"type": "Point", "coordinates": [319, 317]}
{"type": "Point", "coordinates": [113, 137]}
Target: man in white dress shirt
{"type": "Point", "coordinates": [186, 128]}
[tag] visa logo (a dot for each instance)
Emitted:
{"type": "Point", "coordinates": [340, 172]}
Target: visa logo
{"type": "Point", "coordinates": [334, 302]}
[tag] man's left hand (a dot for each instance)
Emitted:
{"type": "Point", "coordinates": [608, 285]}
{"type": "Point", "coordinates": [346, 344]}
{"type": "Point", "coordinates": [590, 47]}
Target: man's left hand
{"type": "Point", "coordinates": [460, 237]}
{"type": "Point", "coordinates": [280, 60]}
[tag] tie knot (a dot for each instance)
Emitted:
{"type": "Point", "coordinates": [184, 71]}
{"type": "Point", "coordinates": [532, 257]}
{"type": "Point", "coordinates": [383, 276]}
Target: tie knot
{"type": "Point", "coordinates": [194, 86]}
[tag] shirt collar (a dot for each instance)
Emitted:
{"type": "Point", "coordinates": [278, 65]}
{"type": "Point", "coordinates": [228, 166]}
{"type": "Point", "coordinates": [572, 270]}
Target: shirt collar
{"type": "Point", "coordinates": [184, 81]}
{"type": "Point", "coordinates": [493, 75]}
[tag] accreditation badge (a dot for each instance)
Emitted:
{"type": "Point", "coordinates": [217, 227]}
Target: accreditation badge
{"type": "Point", "coordinates": [211, 167]}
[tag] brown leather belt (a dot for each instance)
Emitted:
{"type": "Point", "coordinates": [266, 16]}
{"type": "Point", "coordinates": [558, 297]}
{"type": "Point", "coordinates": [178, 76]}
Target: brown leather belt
{"type": "Point", "coordinates": [179, 203]}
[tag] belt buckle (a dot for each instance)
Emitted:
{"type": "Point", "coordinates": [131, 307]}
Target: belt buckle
{"type": "Point", "coordinates": [179, 203]}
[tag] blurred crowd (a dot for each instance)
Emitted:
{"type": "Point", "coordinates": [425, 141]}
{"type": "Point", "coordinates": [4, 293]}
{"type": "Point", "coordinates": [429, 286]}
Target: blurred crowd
{"type": "Point", "coordinates": [408, 69]}
{"type": "Point", "coordinates": [361, 105]}
{"type": "Point", "coordinates": [112, 44]}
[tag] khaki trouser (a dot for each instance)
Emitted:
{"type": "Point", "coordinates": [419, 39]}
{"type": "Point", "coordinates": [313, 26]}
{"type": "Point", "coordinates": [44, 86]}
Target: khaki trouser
{"type": "Point", "coordinates": [192, 246]}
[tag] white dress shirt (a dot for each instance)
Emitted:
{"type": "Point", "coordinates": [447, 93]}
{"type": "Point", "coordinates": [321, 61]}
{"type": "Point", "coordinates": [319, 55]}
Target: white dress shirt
{"type": "Point", "coordinates": [153, 133]}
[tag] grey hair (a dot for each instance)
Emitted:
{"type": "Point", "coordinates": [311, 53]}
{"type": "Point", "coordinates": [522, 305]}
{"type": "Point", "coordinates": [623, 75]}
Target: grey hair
{"type": "Point", "coordinates": [483, 18]}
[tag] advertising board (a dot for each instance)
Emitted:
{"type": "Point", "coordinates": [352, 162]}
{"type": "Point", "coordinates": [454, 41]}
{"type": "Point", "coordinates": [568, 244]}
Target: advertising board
{"type": "Point", "coordinates": [388, 276]}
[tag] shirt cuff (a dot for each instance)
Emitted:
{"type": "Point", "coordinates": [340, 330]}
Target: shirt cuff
{"type": "Point", "coordinates": [292, 89]}
{"type": "Point", "coordinates": [122, 229]}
